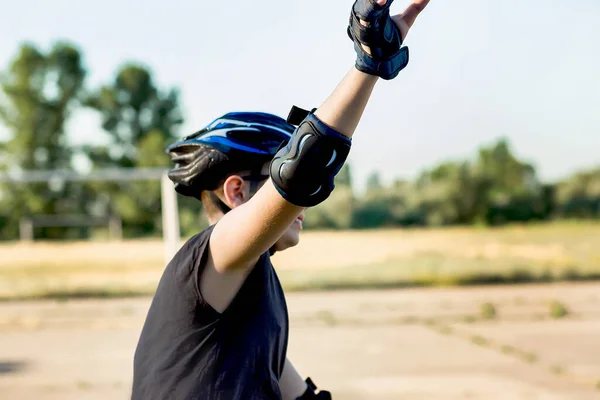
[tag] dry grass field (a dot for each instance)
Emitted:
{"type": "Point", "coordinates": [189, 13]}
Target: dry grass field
{"type": "Point", "coordinates": [323, 260]}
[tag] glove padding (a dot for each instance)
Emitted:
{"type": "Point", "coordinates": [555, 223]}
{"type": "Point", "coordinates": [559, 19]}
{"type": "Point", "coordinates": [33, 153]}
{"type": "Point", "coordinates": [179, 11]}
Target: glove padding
{"type": "Point", "coordinates": [382, 36]}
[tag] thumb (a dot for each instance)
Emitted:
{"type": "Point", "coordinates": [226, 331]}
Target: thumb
{"type": "Point", "coordinates": [381, 2]}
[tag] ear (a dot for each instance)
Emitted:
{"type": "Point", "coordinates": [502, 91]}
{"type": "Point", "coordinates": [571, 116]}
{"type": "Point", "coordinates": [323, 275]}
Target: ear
{"type": "Point", "coordinates": [235, 191]}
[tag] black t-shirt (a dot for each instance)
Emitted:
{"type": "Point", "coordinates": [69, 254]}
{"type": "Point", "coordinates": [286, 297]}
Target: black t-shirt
{"type": "Point", "coordinates": [187, 350]}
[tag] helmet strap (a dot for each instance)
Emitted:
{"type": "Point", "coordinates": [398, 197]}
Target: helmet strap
{"type": "Point", "coordinates": [224, 208]}
{"type": "Point", "coordinates": [255, 176]}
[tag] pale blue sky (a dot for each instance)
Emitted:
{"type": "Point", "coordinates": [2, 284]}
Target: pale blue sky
{"type": "Point", "coordinates": [480, 69]}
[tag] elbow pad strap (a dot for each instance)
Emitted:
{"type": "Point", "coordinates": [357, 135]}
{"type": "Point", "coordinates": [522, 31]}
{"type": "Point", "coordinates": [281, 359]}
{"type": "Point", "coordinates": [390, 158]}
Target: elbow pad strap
{"type": "Point", "coordinates": [304, 169]}
{"type": "Point", "coordinates": [311, 392]}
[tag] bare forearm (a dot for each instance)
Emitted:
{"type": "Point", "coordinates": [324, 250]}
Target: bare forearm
{"type": "Point", "coordinates": [291, 383]}
{"type": "Point", "coordinates": [344, 107]}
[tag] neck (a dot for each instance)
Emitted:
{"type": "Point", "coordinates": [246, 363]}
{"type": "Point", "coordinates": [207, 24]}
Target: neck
{"type": "Point", "coordinates": [213, 219]}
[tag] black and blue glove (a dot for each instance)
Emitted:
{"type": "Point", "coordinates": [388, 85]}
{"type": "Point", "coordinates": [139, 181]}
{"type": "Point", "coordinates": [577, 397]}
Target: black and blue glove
{"type": "Point", "coordinates": [381, 35]}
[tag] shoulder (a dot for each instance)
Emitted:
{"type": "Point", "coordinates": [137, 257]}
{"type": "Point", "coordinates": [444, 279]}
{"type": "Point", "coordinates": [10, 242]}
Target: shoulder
{"type": "Point", "coordinates": [193, 248]}
{"type": "Point", "coordinates": [199, 239]}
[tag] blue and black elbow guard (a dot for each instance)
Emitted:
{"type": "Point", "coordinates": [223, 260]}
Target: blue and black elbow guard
{"type": "Point", "coordinates": [304, 169]}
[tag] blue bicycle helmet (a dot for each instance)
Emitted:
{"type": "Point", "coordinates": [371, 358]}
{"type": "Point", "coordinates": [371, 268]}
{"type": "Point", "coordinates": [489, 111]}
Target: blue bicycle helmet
{"type": "Point", "coordinates": [235, 142]}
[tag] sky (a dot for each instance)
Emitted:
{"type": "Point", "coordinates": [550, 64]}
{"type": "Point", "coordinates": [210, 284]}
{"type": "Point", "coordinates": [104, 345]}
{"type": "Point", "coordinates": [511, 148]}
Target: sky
{"type": "Point", "coordinates": [479, 70]}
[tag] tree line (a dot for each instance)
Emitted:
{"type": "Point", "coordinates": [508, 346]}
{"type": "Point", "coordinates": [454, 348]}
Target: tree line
{"type": "Point", "coordinates": [42, 90]}
{"type": "Point", "coordinates": [494, 188]}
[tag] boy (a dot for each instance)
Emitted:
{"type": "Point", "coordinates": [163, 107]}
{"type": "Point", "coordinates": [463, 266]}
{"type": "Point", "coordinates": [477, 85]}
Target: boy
{"type": "Point", "coordinates": [218, 325]}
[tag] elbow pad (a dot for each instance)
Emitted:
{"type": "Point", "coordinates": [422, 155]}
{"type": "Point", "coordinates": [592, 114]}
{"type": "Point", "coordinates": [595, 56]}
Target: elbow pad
{"type": "Point", "coordinates": [304, 169]}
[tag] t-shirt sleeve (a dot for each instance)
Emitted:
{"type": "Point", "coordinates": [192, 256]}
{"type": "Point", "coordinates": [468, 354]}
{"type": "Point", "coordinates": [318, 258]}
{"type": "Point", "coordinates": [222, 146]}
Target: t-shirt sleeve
{"type": "Point", "coordinates": [198, 262]}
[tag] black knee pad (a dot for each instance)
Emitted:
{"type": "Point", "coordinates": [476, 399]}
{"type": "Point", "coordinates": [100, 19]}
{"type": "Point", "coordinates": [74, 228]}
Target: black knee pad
{"type": "Point", "coordinates": [303, 170]}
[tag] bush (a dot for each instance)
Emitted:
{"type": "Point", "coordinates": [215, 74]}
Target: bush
{"type": "Point", "coordinates": [480, 341]}
{"type": "Point", "coordinates": [558, 310]}
{"type": "Point", "coordinates": [488, 311]}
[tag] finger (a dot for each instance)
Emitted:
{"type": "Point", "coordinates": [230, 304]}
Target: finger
{"type": "Point", "coordinates": [379, 3]}
{"type": "Point", "coordinates": [412, 12]}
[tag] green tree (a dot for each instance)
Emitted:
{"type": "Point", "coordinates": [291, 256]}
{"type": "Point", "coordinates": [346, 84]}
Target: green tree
{"type": "Point", "coordinates": [41, 91]}
{"type": "Point", "coordinates": [139, 118]}
{"type": "Point", "coordinates": [443, 193]}
{"type": "Point", "coordinates": [344, 177]}
{"type": "Point", "coordinates": [508, 174]}
{"type": "Point", "coordinates": [335, 212]}
{"type": "Point", "coordinates": [513, 191]}
{"type": "Point", "coordinates": [373, 211]}
{"type": "Point", "coordinates": [579, 196]}
{"type": "Point", "coordinates": [141, 121]}
{"type": "Point", "coordinates": [374, 182]}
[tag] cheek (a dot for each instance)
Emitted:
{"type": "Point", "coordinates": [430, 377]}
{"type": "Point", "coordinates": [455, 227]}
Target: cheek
{"type": "Point", "coordinates": [290, 238]}
{"type": "Point", "coordinates": [293, 233]}
{"type": "Point", "coordinates": [289, 233]}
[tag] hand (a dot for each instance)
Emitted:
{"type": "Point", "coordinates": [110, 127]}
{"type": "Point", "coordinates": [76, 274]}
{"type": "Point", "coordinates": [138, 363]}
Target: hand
{"type": "Point", "coordinates": [405, 20]}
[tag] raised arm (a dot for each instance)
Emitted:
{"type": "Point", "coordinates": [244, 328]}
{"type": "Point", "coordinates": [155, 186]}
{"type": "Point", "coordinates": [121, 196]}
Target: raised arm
{"type": "Point", "coordinates": [257, 224]}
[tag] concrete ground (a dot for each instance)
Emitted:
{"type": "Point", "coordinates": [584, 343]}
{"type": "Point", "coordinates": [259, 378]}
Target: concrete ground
{"type": "Point", "coordinates": [408, 344]}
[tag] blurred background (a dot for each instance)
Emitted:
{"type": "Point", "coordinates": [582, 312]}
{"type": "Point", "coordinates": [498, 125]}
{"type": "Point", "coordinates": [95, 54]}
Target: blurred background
{"type": "Point", "coordinates": [458, 257]}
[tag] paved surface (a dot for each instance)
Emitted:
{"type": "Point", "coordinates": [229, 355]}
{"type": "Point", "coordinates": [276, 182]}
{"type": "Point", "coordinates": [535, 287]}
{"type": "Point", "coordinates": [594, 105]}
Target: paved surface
{"type": "Point", "coordinates": [410, 344]}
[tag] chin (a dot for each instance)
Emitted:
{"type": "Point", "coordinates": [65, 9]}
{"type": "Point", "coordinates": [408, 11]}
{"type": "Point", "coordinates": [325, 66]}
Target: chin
{"type": "Point", "coordinates": [289, 239]}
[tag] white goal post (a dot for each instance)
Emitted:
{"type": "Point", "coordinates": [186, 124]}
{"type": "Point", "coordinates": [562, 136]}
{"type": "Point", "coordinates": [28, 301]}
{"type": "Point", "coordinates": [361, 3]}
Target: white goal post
{"type": "Point", "coordinates": [170, 214]}
{"type": "Point", "coordinates": [28, 223]}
